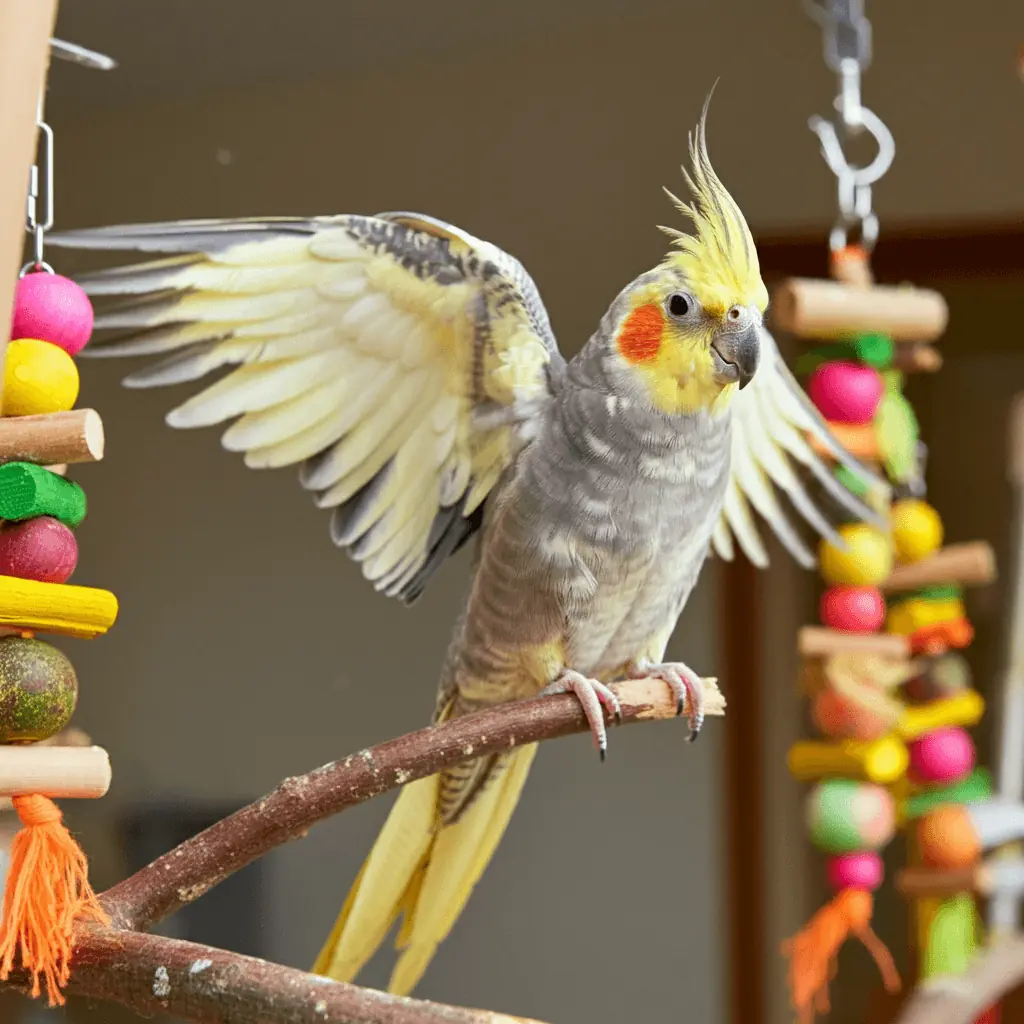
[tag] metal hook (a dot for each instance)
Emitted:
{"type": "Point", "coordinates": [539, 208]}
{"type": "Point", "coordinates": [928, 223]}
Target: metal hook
{"type": "Point", "coordinates": [80, 55]}
{"type": "Point", "coordinates": [832, 149]}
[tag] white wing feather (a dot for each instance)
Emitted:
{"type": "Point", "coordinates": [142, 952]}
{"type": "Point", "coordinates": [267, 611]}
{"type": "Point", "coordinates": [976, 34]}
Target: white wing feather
{"type": "Point", "coordinates": [771, 420]}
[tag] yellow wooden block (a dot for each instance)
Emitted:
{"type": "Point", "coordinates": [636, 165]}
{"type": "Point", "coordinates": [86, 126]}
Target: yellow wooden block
{"type": "Point", "coordinates": [56, 607]}
{"type": "Point", "coordinates": [38, 378]}
{"type": "Point", "coordinates": [964, 708]}
{"type": "Point", "coordinates": [916, 613]}
{"type": "Point", "coordinates": [882, 761]}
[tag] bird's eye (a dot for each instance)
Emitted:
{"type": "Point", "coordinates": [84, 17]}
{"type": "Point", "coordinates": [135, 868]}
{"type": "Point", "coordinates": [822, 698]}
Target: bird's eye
{"type": "Point", "coordinates": [679, 305]}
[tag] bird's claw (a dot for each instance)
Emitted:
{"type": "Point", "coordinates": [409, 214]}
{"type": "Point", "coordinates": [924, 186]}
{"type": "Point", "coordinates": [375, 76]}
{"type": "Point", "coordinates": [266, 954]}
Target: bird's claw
{"type": "Point", "coordinates": [685, 684]}
{"type": "Point", "coordinates": [594, 697]}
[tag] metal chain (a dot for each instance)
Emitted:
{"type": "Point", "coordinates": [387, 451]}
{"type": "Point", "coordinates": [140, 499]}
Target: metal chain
{"type": "Point", "coordinates": [40, 178]}
{"type": "Point", "coordinates": [847, 37]}
{"type": "Point", "coordinates": [40, 187]}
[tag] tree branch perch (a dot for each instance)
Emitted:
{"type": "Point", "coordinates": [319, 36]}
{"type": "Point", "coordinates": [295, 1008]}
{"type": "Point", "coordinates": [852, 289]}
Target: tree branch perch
{"type": "Point", "coordinates": [210, 986]}
{"type": "Point", "coordinates": [151, 974]}
{"type": "Point", "coordinates": [287, 813]}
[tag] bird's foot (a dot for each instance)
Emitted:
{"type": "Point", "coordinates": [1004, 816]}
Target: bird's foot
{"type": "Point", "coordinates": [685, 684]}
{"type": "Point", "coordinates": [594, 698]}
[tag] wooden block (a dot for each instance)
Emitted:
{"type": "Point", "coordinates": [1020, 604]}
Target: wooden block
{"type": "Point", "coordinates": [819, 642]}
{"type": "Point", "coordinates": [829, 310]}
{"type": "Point", "coordinates": [860, 440]}
{"type": "Point", "coordinates": [56, 772]}
{"type": "Point", "coordinates": [56, 607]}
{"type": "Point", "coordinates": [60, 437]}
{"type": "Point", "coordinates": [962, 709]}
{"type": "Point", "coordinates": [968, 564]}
{"type": "Point", "coordinates": [882, 761]}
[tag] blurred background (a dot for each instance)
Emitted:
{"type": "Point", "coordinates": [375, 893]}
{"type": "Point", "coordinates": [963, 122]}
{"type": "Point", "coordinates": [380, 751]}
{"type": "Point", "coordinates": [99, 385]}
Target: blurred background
{"type": "Point", "coordinates": [248, 649]}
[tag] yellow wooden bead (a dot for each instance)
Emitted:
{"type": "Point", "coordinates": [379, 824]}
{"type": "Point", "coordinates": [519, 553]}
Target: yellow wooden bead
{"type": "Point", "coordinates": [916, 529]}
{"type": "Point", "coordinates": [866, 562]}
{"type": "Point", "coordinates": [38, 378]}
{"type": "Point", "coordinates": [909, 616]}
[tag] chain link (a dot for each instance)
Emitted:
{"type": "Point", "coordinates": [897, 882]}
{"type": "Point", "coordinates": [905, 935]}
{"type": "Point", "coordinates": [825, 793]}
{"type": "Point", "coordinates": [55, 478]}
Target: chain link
{"type": "Point", "coordinates": [40, 188]}
{"type": "Point", "coordinates": [847, 38]}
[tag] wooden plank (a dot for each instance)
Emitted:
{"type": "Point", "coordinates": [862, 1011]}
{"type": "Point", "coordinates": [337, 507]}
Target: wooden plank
{"type": "Point", "coordinates": [25, 30]}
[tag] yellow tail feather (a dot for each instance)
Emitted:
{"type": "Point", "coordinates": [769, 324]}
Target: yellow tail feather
{"type": "Point", "coordinates": [424, 873]}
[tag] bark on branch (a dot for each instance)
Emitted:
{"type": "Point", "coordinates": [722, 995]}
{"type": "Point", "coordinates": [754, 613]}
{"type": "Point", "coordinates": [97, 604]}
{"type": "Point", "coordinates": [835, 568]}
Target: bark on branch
{"type": "Point", "coordinates": [287, 813]}
{"type": "Point", "coordinates": [151, 974]}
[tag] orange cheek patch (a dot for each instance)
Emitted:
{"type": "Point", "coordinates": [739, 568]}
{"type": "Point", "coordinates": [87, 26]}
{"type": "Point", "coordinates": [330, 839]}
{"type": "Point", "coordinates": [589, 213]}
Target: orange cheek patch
{"type": "Point", "coordinates": [640, 337]}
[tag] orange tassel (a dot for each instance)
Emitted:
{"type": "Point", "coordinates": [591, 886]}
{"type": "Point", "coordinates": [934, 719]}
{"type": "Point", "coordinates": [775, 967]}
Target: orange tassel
{"type": "Point", "coordinates": [47, 889]}
{"type": "Point", "coordinates": [813, 951]}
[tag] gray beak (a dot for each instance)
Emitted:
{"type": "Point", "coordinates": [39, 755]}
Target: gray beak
{"type": "Point", "coordinates": [736, 354]}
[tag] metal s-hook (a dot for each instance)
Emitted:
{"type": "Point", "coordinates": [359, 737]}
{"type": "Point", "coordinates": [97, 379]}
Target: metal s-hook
{"type": "Point", "coordinates": [854, 183]}
{"type": "Point", "coordinates": [848, 52]}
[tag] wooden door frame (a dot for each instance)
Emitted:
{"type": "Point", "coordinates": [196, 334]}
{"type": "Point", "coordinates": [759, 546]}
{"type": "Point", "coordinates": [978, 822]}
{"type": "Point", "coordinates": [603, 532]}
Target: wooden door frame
{"type": "Point", "coordinates": [923, 254]}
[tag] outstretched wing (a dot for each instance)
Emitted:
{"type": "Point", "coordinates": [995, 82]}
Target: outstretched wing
{"type": "Point", "coordinates": [398, 359]}
{"type": "Point", "coordinates": [772, 421]}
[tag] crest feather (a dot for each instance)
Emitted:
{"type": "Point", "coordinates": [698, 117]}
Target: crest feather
{"type": "Point", "coordinates": [719, 258]}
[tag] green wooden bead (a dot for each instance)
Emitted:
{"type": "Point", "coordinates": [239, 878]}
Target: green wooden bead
{"type": "Point", "coordinates": [27, 491]}
{"type": "Point", "coordinates": [844, 816]}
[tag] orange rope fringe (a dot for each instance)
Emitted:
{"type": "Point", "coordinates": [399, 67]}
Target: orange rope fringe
{"type": "Point", "coordinates": [47, 889]}
{"type": "Point", "coordinates": [813, 951]}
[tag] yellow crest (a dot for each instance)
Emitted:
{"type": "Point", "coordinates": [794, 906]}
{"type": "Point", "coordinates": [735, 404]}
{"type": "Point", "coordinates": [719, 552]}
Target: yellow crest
{"type": "Point", "coordinates": [719, 259]}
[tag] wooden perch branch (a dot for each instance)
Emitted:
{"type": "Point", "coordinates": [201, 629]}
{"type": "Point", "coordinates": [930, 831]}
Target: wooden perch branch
{"type": "Point", "coordinates": [210, 986]}
{"type": "Point", "coordinates": [151, 974]}
{"type": "Point", "coordinates": [962, 999]}
{"type": "Point", "coordinates": [200, 863]}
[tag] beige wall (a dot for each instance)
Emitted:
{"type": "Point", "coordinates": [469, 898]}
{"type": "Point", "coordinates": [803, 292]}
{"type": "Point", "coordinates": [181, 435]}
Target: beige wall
{"type": "Point", "coordinates": [247, 648]}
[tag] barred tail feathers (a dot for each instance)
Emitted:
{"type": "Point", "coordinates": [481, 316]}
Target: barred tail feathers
{"type": "Point", "coordinates": [422, 872]}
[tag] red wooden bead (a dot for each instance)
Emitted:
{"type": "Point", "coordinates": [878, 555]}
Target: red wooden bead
{"type": "Point", "coordinates": [52, 308]}
{"type": "Point", "coordinates": [41, 549]}
{"type": "Point", "coordinates": [853, 609]}
{"type": "Point", "coordinates": [845, 392]}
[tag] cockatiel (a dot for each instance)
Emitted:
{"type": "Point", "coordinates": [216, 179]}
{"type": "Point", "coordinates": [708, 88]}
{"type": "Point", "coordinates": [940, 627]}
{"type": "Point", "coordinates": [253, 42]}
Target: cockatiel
{"type": "Point", "coordinates": [411, 370]}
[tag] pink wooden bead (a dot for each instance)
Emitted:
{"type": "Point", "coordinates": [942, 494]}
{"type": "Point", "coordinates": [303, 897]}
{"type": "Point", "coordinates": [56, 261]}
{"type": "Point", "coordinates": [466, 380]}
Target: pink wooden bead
{"type": "Point", "coordinates": [944, 755]}
{"type": "Point", "coordinates": [853, 609]}
{"type": "Point", "coordinates": [52, 308]}
{"type": "Point", "coordinates": [845, 392]}
{"type": "Point", "coordinates": [862, 870]}
{"type": "Point", "coordinates": [38, 549]}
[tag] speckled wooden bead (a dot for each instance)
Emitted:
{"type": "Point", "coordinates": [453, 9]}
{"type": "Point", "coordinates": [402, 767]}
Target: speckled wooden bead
{"type": "Point", "coordinates": [38, 690]}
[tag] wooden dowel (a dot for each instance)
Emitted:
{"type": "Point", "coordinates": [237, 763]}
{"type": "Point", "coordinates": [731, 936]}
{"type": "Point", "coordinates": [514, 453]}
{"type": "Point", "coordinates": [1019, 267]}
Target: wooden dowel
{"type": "Point", "coordinates": [61, 469]}
{"type": "Point", "coordinates": [70, 737]}
{"type": "Point", "coordinates": [920, 882]}
{"type": "Point", "coordinates": [58, 772]}
{"type": "Point", "coordinates": [819, 642]}
{"type": "Point", "coordinates": [968, 564]}
{"type": "Point", "coordinates": [25, 30]}
{"type": "Point", "coordinates": [917, 358]}
{"type": "Point", "coordinates": [56, 607]}
{"type": "Point", "coordinates": [59, 437]}
{"type": "Point", "coordinates": [829, 310]}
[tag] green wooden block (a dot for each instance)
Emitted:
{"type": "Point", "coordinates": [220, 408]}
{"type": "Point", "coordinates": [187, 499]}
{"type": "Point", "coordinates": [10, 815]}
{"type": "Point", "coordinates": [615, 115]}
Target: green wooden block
{"type": "Point", "coordinates": [28, 491]}
{"type": "Point", "coordinates": [973, 789]}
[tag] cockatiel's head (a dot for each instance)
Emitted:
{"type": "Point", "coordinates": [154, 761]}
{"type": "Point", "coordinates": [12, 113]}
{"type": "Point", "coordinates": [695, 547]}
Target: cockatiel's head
{"type": "Point", "coordinates": [685, 335]}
